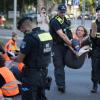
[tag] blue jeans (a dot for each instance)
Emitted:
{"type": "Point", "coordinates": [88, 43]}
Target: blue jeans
{"type": "Point", "coordinates": [16, 73]}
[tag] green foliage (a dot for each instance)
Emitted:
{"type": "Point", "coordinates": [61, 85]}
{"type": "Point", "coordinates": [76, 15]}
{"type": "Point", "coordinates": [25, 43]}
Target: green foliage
{"type": "Point", "coordinates": [88, 4]}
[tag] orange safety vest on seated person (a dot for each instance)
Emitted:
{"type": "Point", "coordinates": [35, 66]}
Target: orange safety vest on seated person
{"type": "Point", "coordinates": [11, 46]}
{"type": "Point", "coordinates": [10, 88]}
{"type": "Point", "coordinates": [1, 95]}
{"type": "Point", "coordinates": [6, 57]}
{"type": "Point", "coordinates": [20, 66]}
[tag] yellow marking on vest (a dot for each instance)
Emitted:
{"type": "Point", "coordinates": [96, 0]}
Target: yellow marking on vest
{"type": "Point", "coordinates": [45, 37]}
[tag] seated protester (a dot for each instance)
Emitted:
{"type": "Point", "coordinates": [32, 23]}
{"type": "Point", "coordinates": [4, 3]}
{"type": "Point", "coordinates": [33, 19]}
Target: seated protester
{"type": "Point", "coordinates": [15, 68]}
{"type": "Point", "coordinates": [11, 45]}
{"type": "Point", "coordinates": [3, 52]}
{"type": "Point", "coordinates": [8, 83]}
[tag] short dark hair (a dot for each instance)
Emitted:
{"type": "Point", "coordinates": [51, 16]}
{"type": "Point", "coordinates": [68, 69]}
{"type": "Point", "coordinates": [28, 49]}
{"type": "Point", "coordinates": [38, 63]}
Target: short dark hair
{"type": "Point", "coordinates": [98, 8]}
{"type": "Point", "coordinates": [2, 61]}
{"type": "Point", "coordinates": [20, 22]}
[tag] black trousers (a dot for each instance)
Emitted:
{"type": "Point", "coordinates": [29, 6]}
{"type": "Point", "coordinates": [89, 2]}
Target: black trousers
{"type": "Point", "coordinates": [59, 52]}
{"type": "Point", "coordinates": [33, 84]}
{"type": "Point", "coordinates": [95, 73]}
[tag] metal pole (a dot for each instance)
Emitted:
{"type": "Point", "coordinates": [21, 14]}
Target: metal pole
{"type": "Point", "coordinates": [63, 1]}
{"type": "Point", "coordinates": [15, 13]}
{"type": "Point", "coordinates": [83, 13]}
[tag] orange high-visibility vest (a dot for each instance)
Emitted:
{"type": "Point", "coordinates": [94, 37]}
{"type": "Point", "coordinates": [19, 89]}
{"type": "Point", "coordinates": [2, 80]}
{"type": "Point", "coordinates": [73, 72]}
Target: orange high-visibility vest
{"type": "Point", "coordinates": [6, 57]}
{"type": "Point", "coordinates": [11, 46]}
{"type": "Point", "coordinates": [11, 87]}
{"type": "Point", "coordinates": [1, 95]}
{"type": "Point", "coordinates": [20, 66]}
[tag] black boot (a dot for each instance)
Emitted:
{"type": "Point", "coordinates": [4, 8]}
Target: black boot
{"type": "Point", "coordinates": [95, 86]}
{"type": "Point", "coordinates": [61, 89]}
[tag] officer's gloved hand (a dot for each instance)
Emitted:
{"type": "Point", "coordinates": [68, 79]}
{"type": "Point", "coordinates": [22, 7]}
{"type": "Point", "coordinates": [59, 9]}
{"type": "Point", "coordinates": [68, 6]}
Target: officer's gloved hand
{"type": "Point", "coordinates": [76, 45]}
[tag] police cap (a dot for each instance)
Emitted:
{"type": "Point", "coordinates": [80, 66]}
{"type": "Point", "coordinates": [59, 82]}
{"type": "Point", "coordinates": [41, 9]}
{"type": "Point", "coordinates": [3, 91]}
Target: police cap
{"type": "Point", "coordinates": [20, 22]}
{"type": "Point", "coordinates": [62, 8]}
{"type": "Point", "coordinates": [98, 8]}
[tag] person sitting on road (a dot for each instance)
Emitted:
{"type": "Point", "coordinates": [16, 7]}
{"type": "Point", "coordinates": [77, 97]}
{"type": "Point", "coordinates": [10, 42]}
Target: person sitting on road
{"type": "Point", "coordinates": [8, 83]}
{"type": "Point", "coordinates": [11, 45]}
{"type": "Point", "coordinates": [15, 68]}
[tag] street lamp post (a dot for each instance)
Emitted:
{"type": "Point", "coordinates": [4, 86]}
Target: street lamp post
{"type": "Point", "coordinates": [14, 17]}
{"type": "Point", "coordinates": [83, 13]}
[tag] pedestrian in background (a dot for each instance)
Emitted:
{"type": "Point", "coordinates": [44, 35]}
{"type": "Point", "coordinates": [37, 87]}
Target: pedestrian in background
{"type": "Point", "coordinates": [61, 33]}
{"type": "Point", "coordinates": [35, 52]}
{"type": "Point", "coordinates": [43, 19]}
{"type": "Point", "coordinates": [95, 38]}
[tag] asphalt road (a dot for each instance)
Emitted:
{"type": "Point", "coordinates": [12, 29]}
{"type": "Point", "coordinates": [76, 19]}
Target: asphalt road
{"type": "Point", "coordinates": [78, 82]}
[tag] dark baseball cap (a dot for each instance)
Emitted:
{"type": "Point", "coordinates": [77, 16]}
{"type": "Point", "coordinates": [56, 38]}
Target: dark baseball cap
{"type": "Point", "coordinates": [98, 8]}
{"type": "Point", "coordinates": [62, 8]}
{"type": "Point", "coordinates": [20, 22]}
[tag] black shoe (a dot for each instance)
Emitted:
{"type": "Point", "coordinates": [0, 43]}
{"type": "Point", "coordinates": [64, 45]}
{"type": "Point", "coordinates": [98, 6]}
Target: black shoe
{"type": "Point", "coordinates": [61, 89]}
{"type": "Point", "coordinates": [94, 89]}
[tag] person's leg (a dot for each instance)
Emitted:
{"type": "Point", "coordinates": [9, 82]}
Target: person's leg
{"type": "Point", "coordinates": [16, 73]}
{"type": "Point", "coordinates": [58, 61]}
{"type": "Point", "coordinates": [29, 92]}
{"type": "Point", "coordinates": [41, 94]}
{"type": "Point", "coordinates": [95, 76]}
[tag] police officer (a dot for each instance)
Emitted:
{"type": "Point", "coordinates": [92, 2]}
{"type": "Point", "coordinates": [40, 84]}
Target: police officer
{"type": "Point", "coordinates": [61, 33]}
{"type": "Point", "coordinates": [95, 38]}
{"type": "Point", "coordinates": [35, 52]}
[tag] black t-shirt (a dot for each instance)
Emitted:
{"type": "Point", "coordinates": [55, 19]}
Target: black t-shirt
{"type": "Point", "coordinates": [29, 47]}
{"type": "Point", "coordinates": [55, 25]}
{"type": "Point", "coordinates": [2, 81]}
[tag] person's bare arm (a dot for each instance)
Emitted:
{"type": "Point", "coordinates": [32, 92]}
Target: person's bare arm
{"type": "Point", "coordinates": [94, 30]}
{"type": "Point", "coordinates": [64, 37]}
{"type": "Point", "coordinates": [19, 58]}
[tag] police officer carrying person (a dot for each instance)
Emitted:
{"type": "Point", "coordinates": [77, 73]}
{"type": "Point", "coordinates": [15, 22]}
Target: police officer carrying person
{"type": "Point", "coordinates": [61, 33]}
{"type": "Point", "coordinates": [95, 38]}
{"type": "Point", "coordinates": [35, 53]}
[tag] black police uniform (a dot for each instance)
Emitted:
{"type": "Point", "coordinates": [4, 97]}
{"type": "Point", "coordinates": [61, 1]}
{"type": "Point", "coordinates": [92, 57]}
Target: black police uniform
{"type": "Point", "coordinates": [59, 48]}
{"type": "Point", "coordinates": [96, 56]}
{"type": "Point", "coordinates": [35, 70]}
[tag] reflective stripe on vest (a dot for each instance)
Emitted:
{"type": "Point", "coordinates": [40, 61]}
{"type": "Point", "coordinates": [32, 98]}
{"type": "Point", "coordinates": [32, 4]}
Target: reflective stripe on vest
{"type": "Point", "coordinates": [44, 37]}
{"type": "Point", "coordinates": [61, 21]}
{"type": "Point", "coordinates": [1, 95]}
{"type": "Point", "coordinates": [11, 87]}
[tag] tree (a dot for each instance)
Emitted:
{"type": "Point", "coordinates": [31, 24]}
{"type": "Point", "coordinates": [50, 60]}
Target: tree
{"type": "Point", "coordinates": [89, 6]}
